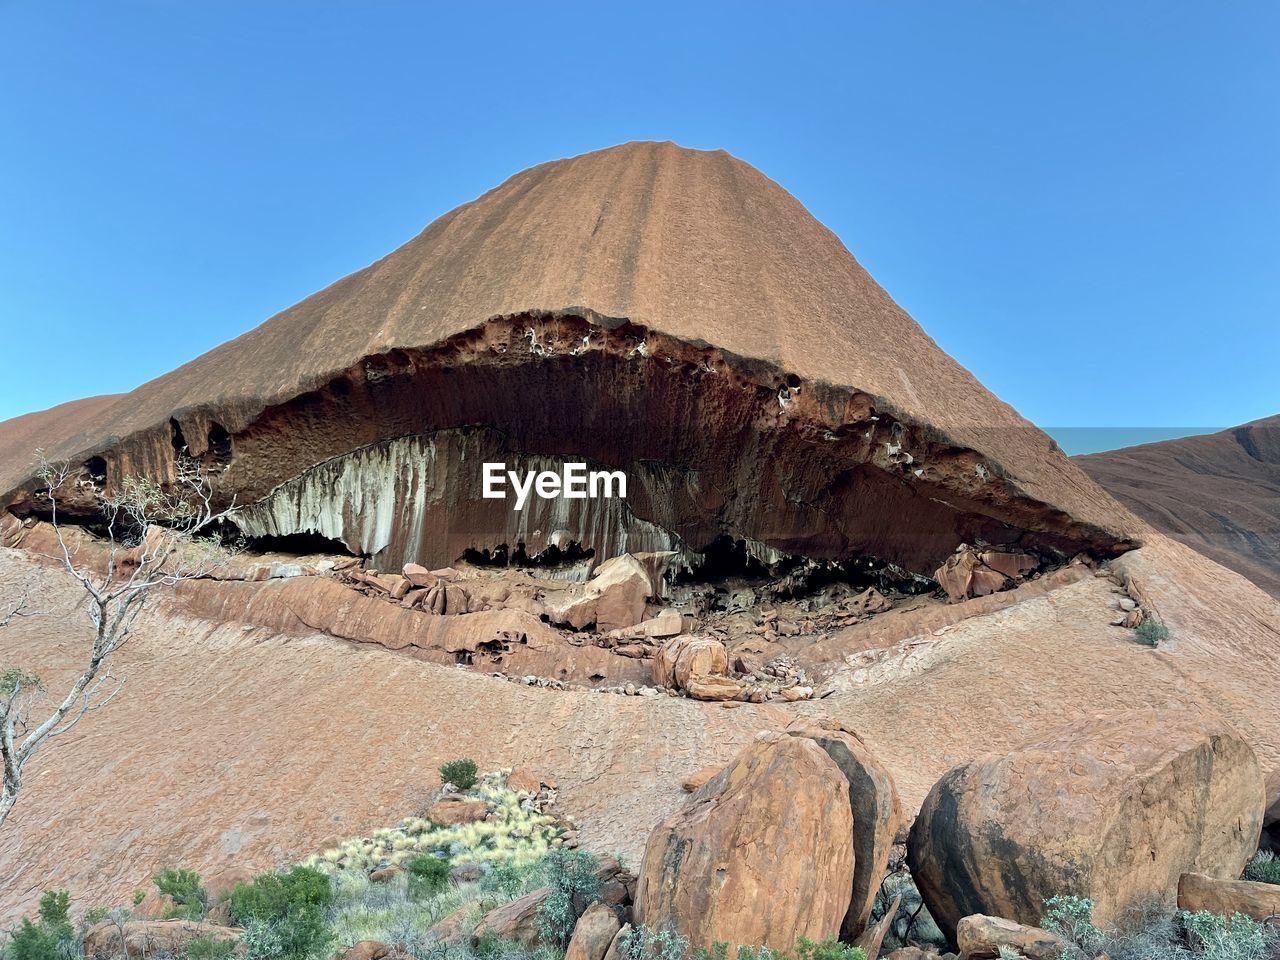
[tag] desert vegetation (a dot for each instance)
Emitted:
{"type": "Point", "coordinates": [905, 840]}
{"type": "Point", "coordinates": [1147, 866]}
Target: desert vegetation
{"type": "Point", "coordinates": [1150, 932]}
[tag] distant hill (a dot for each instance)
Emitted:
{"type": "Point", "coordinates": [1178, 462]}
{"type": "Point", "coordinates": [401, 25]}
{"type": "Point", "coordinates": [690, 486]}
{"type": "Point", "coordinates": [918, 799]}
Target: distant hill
{"type": "Point", "coordinates": [1218, 493]}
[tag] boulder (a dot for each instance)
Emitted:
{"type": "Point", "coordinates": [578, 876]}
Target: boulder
{"type": "Point", "coordinates": [613, 599]}
{"type": "Point", "coordinates": [419, 575]}
{"type": "Point", "coordinates": [685, 658]}
{"type": "Point", "coordinates": [1257, 900]}
{"type": "Point", "coordinates": [521, 780]}
{"type": "Point", "coordinates": [367, 950]}
{"type": "Point", "coordinates": [971, 572]}
{"type": "Point", "coordinates": [452, 811]}
{"type": "Point", "coordinates": [518, 920]}
{"type": "Point", "coordinates": [911, 952]}
{"type": "Point", "coordinates": [696, 780]}
{"type": "Point", "coordinates": [873, 801]}
{"type": "Point", "coordinates": [1114, 808]}
{"type": "Point", "coordinates": [593, 933]}
{"type": "Point", "coordinates": [455, 927]}
{"type": "Point", "coordinates": [615, 949]}
{"type": "Point", "coordinates": [715, 689]}
{"type": "Point", "coordinates": [775, 819]}
{"type": "Point", "coordinates": [980, 938]}
{"type": "Point", "coordinates": [147, 938]}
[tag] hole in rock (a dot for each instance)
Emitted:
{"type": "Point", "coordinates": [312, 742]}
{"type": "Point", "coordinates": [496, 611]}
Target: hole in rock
{"type": "Point", "coordinates": [177, 439]}
{"type": "Point", "coordinates": [219, 450]}
{"type": "Point", "coordinates": [552, 556]}
{"type": "Point", "coordinates": [298, 544]}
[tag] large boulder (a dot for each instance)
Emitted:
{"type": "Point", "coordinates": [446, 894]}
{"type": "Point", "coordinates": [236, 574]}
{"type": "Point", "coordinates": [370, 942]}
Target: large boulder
{"type": "Point", "coordinates": [1115, 808]}
{"type": "Point", "coordinates": [760, 855]}
{"type": "Point", "coordinates": [614, 598]}
{"type": "Point", "coordinates": [875, 807]}
{"type": "Point", "coordinates": [973, 572]}
{"type": "Point", "coordinates": [697, 665]}
{"type": "Point", "coordinates": [685, 657]}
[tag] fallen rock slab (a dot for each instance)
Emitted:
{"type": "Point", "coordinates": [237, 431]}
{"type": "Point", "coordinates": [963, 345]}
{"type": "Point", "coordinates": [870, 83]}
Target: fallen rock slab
{"type": "Point", "coordinates": [980, 938]}
{"type": "Point", "coordinates": [1226, 897]}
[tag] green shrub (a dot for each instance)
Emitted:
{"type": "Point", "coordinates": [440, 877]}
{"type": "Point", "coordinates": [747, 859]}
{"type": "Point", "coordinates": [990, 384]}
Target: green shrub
{"type": "Point", "coordinates": [1216, 937]}
{"type": "Point", "coordinates": [1151, 632]}
{"type": "Point", "coordinates": [1072, 919]}
{"type": "Point", "coordinates": [427, 875]}
{"type": "Point", "coordinates": [828, 949]}
{"type": "Point", "coordinates": [284, 914]}
{"type": "Point", "coordinates": [1263, 868]}
{"type": "Point", "coordinates": [190, 902]}
{"type": "Point", "coordinates": [207, 948]}
{"type": "Point", "coordinates": [460, 773]}
{"type": "Point", "coordinates": [52, 938]}
{"type": "Point", "coordinates": [641, 943]}
{"type": "Point", "coordinates": [505, 878]}
{"type": "Point", "coordinates": [574, 885]}
{"type": "Point", "coordinates": [11, 678]}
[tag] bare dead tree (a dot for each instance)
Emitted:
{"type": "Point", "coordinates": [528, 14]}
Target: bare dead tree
{"type": "Point", "coordinates": [154, 536]}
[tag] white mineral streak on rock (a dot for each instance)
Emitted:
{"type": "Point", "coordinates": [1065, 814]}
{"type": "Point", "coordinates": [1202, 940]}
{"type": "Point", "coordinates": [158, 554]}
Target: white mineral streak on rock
{"type": "Point", "coordinates": [393, 500]}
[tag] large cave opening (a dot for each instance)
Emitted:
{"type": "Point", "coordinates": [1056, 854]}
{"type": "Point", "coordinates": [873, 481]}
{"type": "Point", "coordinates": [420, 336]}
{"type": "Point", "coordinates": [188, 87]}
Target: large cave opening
{"type": "Point", "coordinates": [739, 467]}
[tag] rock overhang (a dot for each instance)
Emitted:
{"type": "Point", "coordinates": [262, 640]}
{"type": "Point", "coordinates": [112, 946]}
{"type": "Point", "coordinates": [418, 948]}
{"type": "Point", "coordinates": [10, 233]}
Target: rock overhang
{"type": "Point", "coordinates": [750, 312]}
{"type": "Point", "coordinates": [384, 457]}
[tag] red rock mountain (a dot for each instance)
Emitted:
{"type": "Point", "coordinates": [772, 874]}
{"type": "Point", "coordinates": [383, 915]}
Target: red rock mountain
{"type": "Point", "coordinates": [1218, 493]}
{"type": "Point", "coordinates": [670, 312]}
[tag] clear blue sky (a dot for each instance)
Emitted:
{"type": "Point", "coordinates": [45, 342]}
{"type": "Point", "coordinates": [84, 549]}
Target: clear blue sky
{"type": "Point", "coordinates": [1079, 201]}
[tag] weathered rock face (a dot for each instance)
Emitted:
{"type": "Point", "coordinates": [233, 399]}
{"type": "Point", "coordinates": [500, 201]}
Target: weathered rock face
{"type": "Point", "coordinates": [874, 804]}
{"type": "Point", "coordinates": [777, 818]}
{"type": "Point", "coordinates": [1115, 808]}
{"type": "Point", "coordinates": [790, 405]}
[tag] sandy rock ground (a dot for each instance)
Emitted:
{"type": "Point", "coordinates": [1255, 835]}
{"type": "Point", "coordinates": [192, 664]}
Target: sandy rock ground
{"type": "Point", "coordinates": [234, 748]}
{"type": "Point", "coordinates": [230, 747]}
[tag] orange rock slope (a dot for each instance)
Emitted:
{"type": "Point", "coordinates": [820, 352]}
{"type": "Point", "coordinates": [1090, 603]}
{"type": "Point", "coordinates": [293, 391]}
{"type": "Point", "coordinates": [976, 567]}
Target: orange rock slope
{"type": "Point", "coordinates": [1219, 493]}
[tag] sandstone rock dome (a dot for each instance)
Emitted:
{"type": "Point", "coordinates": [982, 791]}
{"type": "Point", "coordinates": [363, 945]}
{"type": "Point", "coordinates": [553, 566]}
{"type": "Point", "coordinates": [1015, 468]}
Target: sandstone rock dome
{"type": "Point", "coordinates": [666, 311]}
